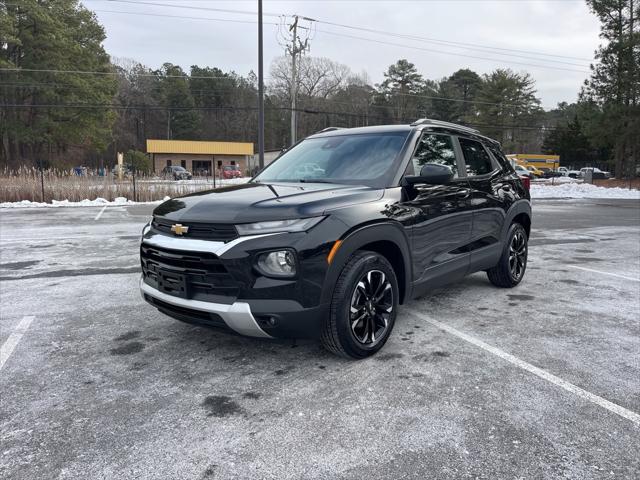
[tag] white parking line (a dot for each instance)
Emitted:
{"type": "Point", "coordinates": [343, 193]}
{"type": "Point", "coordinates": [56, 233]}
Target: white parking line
{"type": "Point", "coordinates": [612, 407]}
{"type": "Point", "coordinates": [10, 344]}
{"type": "Point", "coordinates": [605, 273]}
{"type": "Point", "coordinates": [101, 212]}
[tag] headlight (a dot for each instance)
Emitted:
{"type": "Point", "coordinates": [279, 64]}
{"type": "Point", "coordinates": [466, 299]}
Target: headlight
{"type": "Point", "coordinates": [296, 225]}
{"type": "Point", "coordinates": [281, 263]}
{"type": "Point", "coordinates": [146, 228]}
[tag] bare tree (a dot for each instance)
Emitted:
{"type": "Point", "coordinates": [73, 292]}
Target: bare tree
{"type": "Point", "coordinates": [317, 77]}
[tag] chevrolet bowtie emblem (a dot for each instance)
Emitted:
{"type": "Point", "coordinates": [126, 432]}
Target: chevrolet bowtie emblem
{"type": "Point", "coordinates": [179, 229]}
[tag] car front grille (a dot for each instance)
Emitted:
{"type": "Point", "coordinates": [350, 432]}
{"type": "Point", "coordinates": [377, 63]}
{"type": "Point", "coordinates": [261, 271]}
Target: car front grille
{"type": "Point", "coordinates": [221, 232]}
{"type": "Point", "coordinates": [196, 275]}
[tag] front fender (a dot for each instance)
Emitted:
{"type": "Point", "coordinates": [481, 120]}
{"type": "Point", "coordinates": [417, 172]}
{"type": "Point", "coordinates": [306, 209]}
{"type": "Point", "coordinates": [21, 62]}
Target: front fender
{"type": "Point", "coordinates": [391, 232]}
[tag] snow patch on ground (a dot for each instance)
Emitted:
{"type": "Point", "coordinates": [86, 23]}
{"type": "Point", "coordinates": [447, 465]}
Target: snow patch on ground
{"type": "Point", "coordinates": [98, 202]}
{"type": "Point", "coordinates": [556, 180]}
{"type": "Point", "coordinates": [581, 190]}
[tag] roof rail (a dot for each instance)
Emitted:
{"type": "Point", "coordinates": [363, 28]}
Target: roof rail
{"type": "Point", "coordinates": [330, 129]}
{"type": "Point", "coordinates": [440, 123]}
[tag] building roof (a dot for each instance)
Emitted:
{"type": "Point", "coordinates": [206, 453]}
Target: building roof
{"type": "Point", "coordinates": [199, 148]}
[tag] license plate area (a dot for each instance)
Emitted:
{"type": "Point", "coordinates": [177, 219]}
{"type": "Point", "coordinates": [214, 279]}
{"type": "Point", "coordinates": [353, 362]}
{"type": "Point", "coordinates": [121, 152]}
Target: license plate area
{"type": "Point", "coordinates": [173, 283]}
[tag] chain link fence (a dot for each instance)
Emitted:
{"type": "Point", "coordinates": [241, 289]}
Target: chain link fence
{"type": "Point", "coordinates": [47, 185]}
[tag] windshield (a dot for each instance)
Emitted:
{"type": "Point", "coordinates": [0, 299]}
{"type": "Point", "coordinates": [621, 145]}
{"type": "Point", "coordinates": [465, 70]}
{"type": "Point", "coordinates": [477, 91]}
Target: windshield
{"type": "Point", "coordinates": [364, 159]}
{"type": "Point", "coordinates": [179, 169]}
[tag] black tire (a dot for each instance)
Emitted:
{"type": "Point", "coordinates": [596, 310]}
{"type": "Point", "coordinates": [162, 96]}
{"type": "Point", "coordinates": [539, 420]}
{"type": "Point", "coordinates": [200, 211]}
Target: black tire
{"type": "Point", "coordinates": [512, 266]}
{"type": "Point", "coordinates": [366, 277]}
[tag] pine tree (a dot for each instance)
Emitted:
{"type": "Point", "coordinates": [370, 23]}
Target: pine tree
{"type": "Point", "coordinates": [52, 36]}
{"type": "Point", "coordinates": [614, 85]}
{"type": "Point", "coordinates": [183, 121]}
{"type": "Point", "coordinates": [507, 101]}
{"type": "Point", "coordinates": [401, 89]}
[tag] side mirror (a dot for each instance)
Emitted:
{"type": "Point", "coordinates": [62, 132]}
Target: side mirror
{"type": "Point", "coordinates": [432, 174]}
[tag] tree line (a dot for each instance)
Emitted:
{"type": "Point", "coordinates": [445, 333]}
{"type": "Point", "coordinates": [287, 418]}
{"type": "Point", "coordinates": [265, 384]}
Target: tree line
{"type": "Point", "coordinates": [65, 101]}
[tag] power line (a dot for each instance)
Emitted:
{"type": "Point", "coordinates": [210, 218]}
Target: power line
{"type": "Point", "coordinates": [192, 7]}
{"type": "Point", "coordinates": [252, 22]}
{"type": "Point", "coordinates": [461, 44]}
{"type": "Point", "coordinates": [226, 90]}
{"type": "Point", "coordinates": [408, 37]}
{"type": "Point", "coordinates": [470, 46]}
{"type": "Point", "coordinates": [382, 42]}
{"type": "Point", "coordinates": [124, 73]}
{"type": "Point", "coordinates": [234, 108]}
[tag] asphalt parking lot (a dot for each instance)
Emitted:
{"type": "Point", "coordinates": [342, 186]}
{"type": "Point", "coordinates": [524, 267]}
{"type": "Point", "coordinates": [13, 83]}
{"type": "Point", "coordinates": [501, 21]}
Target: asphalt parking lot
{"type": "Point", "coordinates": [542, 381]}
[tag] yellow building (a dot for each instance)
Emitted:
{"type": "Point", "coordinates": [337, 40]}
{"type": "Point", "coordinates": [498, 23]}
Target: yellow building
{"type": "Point", "coordinates": [200, 158]}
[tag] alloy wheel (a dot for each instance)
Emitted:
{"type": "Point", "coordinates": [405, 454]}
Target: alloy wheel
{"type": "Point", "coordinates": [371, 307]}
{"type": "Point", "coordinates": [518, 255]}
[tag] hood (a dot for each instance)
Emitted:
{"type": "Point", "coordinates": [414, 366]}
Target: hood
{"type": "Point", "coordinates": [257, 202]}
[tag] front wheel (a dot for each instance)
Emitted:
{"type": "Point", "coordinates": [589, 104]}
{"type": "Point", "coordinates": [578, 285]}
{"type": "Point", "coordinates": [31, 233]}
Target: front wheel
{"type": "Point", "coordinates": [363, 307]}
{"type": "Point", "coordinates": [513, 263]}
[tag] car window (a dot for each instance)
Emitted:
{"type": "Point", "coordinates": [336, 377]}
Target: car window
{"type": "Point", "coordinates": [361, 159]}
{"type": "Point", "coordinates": [436, 149]}
{"type": "Point", "coordinates": [476, 157]}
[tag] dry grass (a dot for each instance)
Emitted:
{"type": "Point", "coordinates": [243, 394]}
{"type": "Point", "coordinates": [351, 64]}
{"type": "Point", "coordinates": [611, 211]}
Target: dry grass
{"type": "Point", "coordinates": [633, 183]}
{"type": "Point", "coordinates": [25, 184]}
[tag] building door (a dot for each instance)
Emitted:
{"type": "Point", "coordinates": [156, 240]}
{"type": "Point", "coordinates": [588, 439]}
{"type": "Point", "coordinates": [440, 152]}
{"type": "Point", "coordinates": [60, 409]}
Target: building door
{"type": "Point", "coordinates": [202, 167]}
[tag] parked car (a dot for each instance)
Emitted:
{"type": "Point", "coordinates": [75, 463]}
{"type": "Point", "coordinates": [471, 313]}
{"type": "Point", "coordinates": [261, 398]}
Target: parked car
{"type": "Point", "coordinates": [549, 173]}
{"type": "Point", "coordinates": [597, 173]}
{"type": "Point", "coordinates": [230, 171]}
{"type": "Point", "coordinates": [537, 173]}
{"type": "Point", "coordinates": [176, 172]}
{"type": "Point", "coordinates": [520, 170]}
{"type": "Point", "coordinates": [574, 174]}
{"type": "Point", "coordinates": [563, 171]}
{"type": "Point", "coordinates": [127, 170]}
{"type": "Point", "coordinates": [397, 211]}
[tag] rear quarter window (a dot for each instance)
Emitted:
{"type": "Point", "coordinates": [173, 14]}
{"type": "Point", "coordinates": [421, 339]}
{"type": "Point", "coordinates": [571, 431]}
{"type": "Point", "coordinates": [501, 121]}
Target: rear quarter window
{"type": "Point", "coordinates": [476, 158]}
{"type": "Point", "coordinates": [499, 155]}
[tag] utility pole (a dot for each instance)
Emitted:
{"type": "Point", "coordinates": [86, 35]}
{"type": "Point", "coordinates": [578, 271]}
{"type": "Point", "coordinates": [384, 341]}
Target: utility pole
{"type": "Point", "coordinates": [294, 80]}
{"type": "Point", "coordinates": [260, 91]}
{"type": "Point", "coordinates": [295, 47]}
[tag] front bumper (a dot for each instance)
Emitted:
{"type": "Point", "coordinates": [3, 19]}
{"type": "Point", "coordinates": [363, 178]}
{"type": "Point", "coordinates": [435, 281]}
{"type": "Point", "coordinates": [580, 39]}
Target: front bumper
{"type": "Point", "coordinates": [225, 291]}
{"type": "Point", "coordinates": [237, 316]}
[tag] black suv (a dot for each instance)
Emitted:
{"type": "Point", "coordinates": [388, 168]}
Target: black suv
{"type": "Point", "coordinates": [176, 172]}
{"type": "Point", "coordinates": [330, 238]}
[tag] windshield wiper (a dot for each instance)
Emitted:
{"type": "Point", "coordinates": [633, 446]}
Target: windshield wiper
{"type": "Point", "coordinates": [313, 180]}
{"type": "Point", "coordinates": [269, 186]}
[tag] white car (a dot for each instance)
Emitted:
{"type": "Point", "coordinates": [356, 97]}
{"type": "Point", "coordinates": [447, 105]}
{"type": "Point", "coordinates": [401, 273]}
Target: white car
{"type": "Point", "coordinates": [523, 172]}
{"type": "Point", "coordinates": [564, 171]}
{"type": "Point", "coordinates": [597, 173]}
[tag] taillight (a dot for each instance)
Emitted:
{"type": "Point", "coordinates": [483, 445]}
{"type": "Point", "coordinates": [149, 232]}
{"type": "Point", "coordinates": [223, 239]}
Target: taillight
{"type": "Point", "coordinates": [526, 182]}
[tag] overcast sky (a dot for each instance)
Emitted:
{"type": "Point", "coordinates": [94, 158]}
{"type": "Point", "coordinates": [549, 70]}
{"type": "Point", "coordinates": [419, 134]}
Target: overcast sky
{"type": "Point", "coordinates": [564, 28]}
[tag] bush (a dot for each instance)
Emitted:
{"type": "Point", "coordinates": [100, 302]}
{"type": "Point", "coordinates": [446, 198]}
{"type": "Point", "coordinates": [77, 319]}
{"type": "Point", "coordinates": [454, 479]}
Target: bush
{"type": "Point", "coordinates": [138, 161]}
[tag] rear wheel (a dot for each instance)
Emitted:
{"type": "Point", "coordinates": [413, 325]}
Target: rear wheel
{"type": "Point", "coordinates": [513, 263]}
{"type": "Point", "coordinates": [363, 307]}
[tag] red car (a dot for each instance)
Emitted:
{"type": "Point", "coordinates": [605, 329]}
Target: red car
{"type": "Point", "coordinates": [230, 171]}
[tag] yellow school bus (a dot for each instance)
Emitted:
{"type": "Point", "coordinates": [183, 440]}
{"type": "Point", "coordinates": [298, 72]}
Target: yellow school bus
{"type": "Point", "coordinates": [538, 161]}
